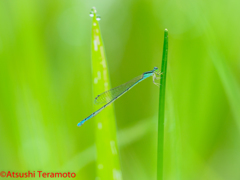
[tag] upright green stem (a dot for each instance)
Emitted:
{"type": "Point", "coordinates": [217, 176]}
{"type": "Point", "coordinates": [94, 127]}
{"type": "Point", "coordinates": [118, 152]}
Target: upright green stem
{"type": "Point", "coordinates": [161, 108]}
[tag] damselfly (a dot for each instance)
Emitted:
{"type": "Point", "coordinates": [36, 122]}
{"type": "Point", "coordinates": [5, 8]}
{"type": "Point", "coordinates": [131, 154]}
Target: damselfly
{"type": "Point", "coordinates": [111, 95]}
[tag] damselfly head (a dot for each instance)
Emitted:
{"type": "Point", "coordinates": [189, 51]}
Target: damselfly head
{"type": "Point", "coordinates": [156, 71]}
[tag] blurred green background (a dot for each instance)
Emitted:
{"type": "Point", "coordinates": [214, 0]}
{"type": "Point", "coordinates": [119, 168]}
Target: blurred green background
{"type": "Point", "coordinates": [46, 87]}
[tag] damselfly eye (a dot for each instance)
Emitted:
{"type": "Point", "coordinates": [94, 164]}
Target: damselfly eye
{"type": "Point", "coordinates": [155, 68]}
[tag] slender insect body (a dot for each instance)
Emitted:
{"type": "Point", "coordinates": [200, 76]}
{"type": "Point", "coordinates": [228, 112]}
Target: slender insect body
{"type": "Point", "coordinates": [111, 95]}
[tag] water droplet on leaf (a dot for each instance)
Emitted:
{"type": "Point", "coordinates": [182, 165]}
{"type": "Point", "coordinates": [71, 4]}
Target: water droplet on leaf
{"type": "Point", "coordinates": [98, 18]}
{"type": "Point", "coordinates": [91, 14]}
{"type": "Point", "coordinates": [93, 10]}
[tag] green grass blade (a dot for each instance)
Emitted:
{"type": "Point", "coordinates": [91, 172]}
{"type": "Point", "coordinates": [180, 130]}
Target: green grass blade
{"type": "Point", "coordinates": [161, 108]}
{"type": "Point", "coordinates": [107, 150]}
{"type": "Point", "coordinates": [229, 82]}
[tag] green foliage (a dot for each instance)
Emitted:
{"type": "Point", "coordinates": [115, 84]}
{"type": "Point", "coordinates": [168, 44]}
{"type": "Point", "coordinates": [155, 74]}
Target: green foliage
{"type": "Point", "coordinates": [161, 112]}
{"type": "Point", "coordinates": [46, 87]}
{"type": "Point", "coordinates": [105, 130]}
